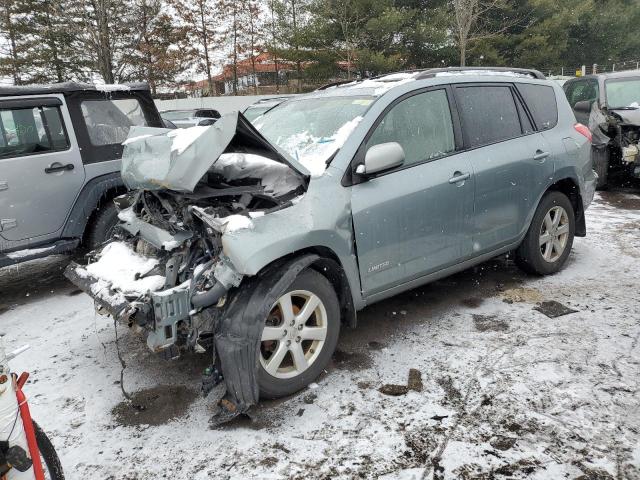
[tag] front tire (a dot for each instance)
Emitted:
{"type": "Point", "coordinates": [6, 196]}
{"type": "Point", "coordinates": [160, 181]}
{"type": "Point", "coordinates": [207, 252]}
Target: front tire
{"type": "Point", "coordinates": [549, 239]}
{"type": "Point", "coordinates": [300, 336]}
{"type": "Point", "coordinates": [101, 229]}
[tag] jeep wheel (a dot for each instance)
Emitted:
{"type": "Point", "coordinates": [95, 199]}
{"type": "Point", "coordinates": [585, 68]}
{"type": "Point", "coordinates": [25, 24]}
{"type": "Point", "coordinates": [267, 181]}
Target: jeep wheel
{"type": "Point", "coordinates": [548, 242]}
{"type": "Point", "coordinates": [299, 337]}
{"type": "Point", "coordinates": [102, 227]}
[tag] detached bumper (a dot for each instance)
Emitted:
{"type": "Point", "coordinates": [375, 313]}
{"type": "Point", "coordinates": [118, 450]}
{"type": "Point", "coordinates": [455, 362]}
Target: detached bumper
{"type": "Point", "coordinates": [159, 312]}
{"type": "Point", "coordinates": [107, 300]}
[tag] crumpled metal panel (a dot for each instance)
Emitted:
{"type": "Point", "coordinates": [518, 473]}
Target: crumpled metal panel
{"type": "Point", "coordinates": [176, 159]}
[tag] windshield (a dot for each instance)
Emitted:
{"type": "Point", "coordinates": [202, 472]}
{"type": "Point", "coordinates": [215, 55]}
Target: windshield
{"type": "Point", "coordinates": [178, 114]}
{"type": "Point", "coordinates": [623, 93]}
{"type": "Point", "coordinates": [311, 130]}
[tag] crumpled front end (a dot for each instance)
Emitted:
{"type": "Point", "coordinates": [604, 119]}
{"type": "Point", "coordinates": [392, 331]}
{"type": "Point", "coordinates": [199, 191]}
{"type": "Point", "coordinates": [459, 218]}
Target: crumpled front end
{"type": "Point", "coordinates": [165, 271]}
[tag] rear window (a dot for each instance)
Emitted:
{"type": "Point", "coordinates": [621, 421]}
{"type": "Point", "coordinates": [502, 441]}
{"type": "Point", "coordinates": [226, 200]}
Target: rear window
{"type": "Point", "coordinates": [108, 121]}
{"type": "Point", "coordinates": [542, 104]}
{"type": "Point", "coordinates": [29, 131]}
{"type": "Point", "coordinates": [489, 114]}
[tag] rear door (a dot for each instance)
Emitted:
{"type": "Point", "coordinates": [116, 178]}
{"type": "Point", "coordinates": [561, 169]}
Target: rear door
{"type": "Point", "coordinates": [41, 171]}
{"type": "Point", "coordinates": [498, 138]}
{"type": "Point", "coordinates": [415, 219]}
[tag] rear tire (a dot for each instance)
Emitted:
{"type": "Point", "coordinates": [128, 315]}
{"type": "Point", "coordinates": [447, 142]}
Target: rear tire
{"type": "Point", "coordinates": [549, 239]}
{"type": "Point", "coordinates": [101, 229]}
{"type": "Point", "coordinates": [48, 455]}
{"type": "Point", "coordinates": [600, 157]}
{"type": "Point", "coordinates": [285, 377]}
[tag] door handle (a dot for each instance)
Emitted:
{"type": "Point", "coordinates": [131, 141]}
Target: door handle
{"type": "Point", "coordinates": [540, 155]}
{"type": "Point", "coordinates": [459, 177]}
{"type": "Point", "coordinates": [4, 185]}
{"type": "Point", "coordinates": [58, 167]}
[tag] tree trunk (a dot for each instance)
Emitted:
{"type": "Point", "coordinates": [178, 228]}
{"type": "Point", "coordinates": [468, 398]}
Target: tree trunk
{"type": "Point", "coordinates": [12, 40]}
{"type": "Point", "coordinates": [205, 46]}
{"type": "Point", "coordinates": [274, 55]}
{"type": "Point", "coordinates": [296, 44]}
{"type": "Point", "coordinates": [463, 53]}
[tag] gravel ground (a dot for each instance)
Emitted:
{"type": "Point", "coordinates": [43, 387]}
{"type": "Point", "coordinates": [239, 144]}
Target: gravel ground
{"type": "Point", "coordinates": [497, 388]}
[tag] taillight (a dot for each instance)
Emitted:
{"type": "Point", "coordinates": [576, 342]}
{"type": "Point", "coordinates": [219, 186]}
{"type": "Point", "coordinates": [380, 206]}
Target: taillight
{"type": "Point", "coordinates": [583, 130]}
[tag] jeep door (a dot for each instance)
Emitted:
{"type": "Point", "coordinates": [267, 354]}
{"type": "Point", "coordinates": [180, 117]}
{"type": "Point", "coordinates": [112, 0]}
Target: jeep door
{"type": "Point", "coordinates": [510, 162]}
{"type": "Point", "coordinates": [41, 171]}
{"type": "Point", "coordinates": [416, 218]}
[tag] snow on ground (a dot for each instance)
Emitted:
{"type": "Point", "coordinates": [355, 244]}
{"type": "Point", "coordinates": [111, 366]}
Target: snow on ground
{"type": "Point", "coordinates": [506, 391]}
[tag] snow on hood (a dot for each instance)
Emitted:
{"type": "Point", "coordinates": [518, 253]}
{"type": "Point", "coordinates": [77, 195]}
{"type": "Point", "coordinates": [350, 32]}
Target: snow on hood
{"type": "Point", "coordinates": [176, 159]}
{"type": "Point", "coordinates": [275, 177]}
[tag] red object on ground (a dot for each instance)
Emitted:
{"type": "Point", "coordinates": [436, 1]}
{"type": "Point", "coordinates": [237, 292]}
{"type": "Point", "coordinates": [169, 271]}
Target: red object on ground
{"type": "Point", "coordinates": [30, 433]}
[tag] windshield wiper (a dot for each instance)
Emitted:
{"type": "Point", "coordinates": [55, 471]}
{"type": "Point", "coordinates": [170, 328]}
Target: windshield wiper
{"type": "Point", "coordinates": [624, 108]}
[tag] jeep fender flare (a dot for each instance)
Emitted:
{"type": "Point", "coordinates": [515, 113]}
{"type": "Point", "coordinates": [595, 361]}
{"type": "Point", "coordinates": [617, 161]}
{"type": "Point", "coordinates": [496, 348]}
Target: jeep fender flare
{"type": "Point", "coordinates": [87, 202]}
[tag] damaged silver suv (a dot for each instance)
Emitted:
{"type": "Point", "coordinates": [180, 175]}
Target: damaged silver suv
{"type": "Point", "coordinates": [259, 241]}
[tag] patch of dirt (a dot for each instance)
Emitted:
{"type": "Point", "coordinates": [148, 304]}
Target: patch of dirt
{"type": "Point", "coordinates": [393, 390]}
{"type": "Point", "coordinates": [621, 200]}
{"type": "Point", "coordinates": [415, 380]}
{"type": "Point", "coordinates": [351, 360]}
{"type": "Point", "coordinates": [522, 295]}
{"type": "Point", "coordinates": [373, 345]}
{"type": "Point", "coordinates": [472, 302]}
{"type": "Point", "coordinates": [155, 406]}
{"type": "Point", "coordinates": [451, 392]}
{"type": "Point", "coordinates": [489, 323]}
{"type": "Point", "coordinates": [502, 443]}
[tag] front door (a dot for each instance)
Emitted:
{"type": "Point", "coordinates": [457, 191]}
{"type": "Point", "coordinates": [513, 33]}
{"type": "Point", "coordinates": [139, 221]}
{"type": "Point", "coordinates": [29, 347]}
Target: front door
{"type": "Point", "coordinates": [41, 172]}
{"type": "Point", "coordinates": [416, 218]}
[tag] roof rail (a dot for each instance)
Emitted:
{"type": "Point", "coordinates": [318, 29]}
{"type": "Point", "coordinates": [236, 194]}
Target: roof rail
{"type": "Point", "coordinates": [432, 72]}
{"type": "Point", "coordinates": [335, 84]}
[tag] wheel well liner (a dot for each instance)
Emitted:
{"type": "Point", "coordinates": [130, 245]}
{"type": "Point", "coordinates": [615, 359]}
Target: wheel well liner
{"type": "Point", "coordinates": [569, 187]}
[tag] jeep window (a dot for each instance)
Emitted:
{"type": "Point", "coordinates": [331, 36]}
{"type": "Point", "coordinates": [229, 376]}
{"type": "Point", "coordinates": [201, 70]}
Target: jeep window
{"type": "Point", "coordinates": [108, 121]}
{"type": "Point", "coordinates": [541, 101]}
{"type": "Point", "coordinates": [489, 114]}
{"type": "Point", "coordinates": [312, 129]}
{"type": "Point", "coordinates": [29, 131]}
{"type": "Point", "coordinates": [623, 93]}
{"type": "Point", "coordinates": [421, 124]}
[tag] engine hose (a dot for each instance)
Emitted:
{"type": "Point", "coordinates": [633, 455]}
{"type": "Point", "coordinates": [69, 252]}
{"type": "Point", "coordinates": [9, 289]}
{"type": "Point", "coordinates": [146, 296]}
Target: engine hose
{"type": "Point", "coordinates": [210, 297]}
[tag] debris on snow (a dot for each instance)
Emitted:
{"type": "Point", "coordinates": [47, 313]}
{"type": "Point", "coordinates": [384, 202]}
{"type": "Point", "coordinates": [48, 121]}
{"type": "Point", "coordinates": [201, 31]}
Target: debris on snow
{"type": "Point", "coordinates": [553, 309]}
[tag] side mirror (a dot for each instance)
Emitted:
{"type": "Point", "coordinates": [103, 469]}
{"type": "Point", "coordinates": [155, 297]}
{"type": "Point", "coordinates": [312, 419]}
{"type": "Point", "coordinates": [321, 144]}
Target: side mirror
{"type": "Point", "coordinates": [583, 107]}
{"type": "Point", "coordinates": [206, 122]}
{"type": "Point", "coordinates": [383, 156]}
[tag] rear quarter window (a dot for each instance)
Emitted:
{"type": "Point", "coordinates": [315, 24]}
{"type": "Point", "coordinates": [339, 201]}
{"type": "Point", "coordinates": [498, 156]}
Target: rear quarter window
{"type": "Point", "coordinates": [542, 103]}
{"type": "Point", "coordinates": [108, 121]}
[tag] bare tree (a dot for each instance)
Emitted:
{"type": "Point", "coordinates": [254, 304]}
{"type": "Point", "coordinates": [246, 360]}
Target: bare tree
{"type": "Point", "coordinates": [472, 21]}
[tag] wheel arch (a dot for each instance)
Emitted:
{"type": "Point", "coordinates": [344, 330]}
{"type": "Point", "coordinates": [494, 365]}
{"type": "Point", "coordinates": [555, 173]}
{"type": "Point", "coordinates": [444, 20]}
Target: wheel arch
{"type": "Point", "coordinates": [95, 193]}
{"type": "Point", "coordinates": [570, 188]}
{"type": "Point", "coordinates": [326, 262]}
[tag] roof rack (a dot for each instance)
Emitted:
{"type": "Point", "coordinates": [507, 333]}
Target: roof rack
{"type": "Point", "coordinates": [65, 88]}
{"type": "Point", "coordinates": [335, 84]}
{"type": "Point", "coordinates": [432, 72]}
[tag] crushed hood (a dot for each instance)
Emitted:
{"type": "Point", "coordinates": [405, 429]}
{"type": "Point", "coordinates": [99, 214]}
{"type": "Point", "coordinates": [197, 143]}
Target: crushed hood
{"type": "Point", "coordinates": [160, 158]}
{"type": "Point", "coordinates": [629, 117]}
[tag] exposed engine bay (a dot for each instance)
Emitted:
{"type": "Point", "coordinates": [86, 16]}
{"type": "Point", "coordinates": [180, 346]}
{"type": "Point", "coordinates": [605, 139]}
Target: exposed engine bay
{"type": "Point", "coordinates": [165, 271]}
{"type": "Point", "coordinates": [619, 131]}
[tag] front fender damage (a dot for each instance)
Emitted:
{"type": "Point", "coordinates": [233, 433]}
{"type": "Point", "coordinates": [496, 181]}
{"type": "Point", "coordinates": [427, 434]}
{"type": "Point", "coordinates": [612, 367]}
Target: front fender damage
{"type": "Point", "coordinates": [237, 337]}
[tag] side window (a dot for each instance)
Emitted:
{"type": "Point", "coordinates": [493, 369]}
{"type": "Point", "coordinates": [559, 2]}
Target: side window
{"type": "Point", "coordinates": [542, 104]}
{"type": "Point", "coordinates": [108, 121]}
{"type": "Point", "coordinates": [26, 131]}
{"type": "Point", "coordinates": [489, 114]}
{"type": "Point", "coordinates": [585, 90]}
{"type": "Point", "coordinates": [421, 124]}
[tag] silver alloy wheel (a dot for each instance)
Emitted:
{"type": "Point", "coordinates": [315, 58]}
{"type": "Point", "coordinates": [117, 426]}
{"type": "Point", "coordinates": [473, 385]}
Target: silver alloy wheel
{"type": "Point", "coordinates": [294, 334]}
{"type": "Point", "coordinates": [554, 234]}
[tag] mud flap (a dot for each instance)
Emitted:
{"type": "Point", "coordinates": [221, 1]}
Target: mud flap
{"type": "Point", "coordinates": [237, 338]}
